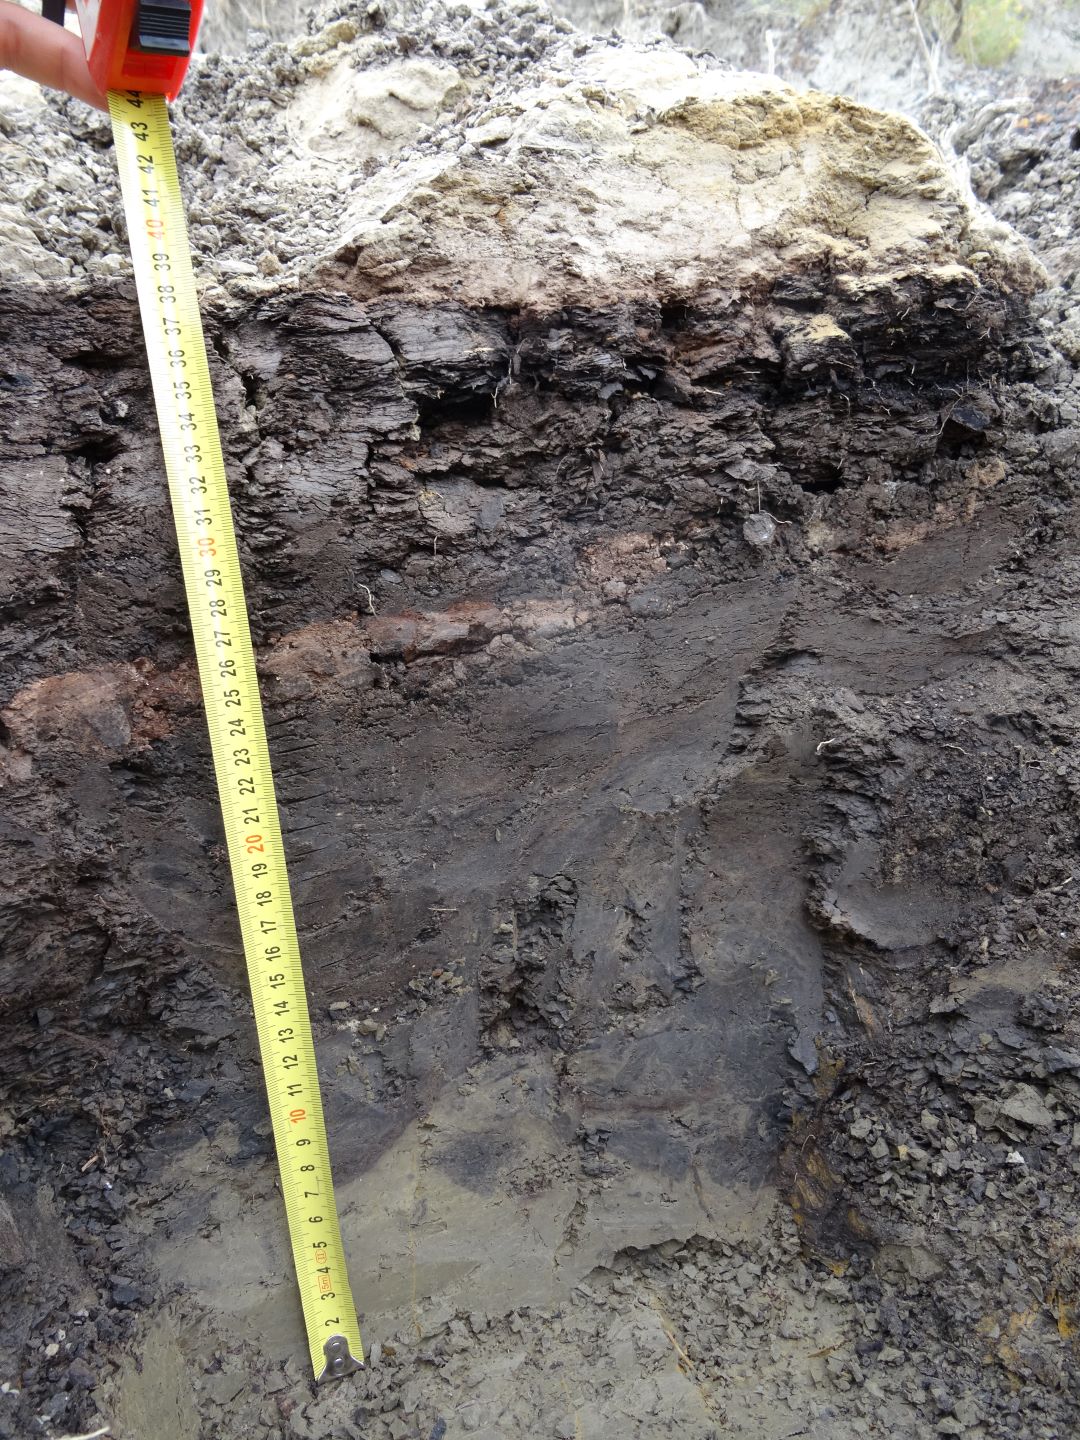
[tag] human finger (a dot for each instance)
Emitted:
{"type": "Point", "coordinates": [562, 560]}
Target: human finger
{"type": "Point", "coordinates": [46, 53]}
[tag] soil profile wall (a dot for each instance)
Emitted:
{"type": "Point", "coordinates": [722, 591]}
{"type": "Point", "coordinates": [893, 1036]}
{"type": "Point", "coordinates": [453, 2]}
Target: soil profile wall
{"type": "Point", "coordinates": [668, 666]}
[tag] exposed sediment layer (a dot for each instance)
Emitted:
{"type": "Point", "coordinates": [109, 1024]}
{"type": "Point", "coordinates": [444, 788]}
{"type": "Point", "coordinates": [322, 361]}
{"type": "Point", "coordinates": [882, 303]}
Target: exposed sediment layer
{"type": "Point", "coordinates": [649, 652]}
{"type": "Point", "coordinates": [442, 155]}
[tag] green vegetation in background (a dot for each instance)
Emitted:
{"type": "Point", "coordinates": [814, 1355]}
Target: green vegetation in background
{"type": "Point", "coordinates": [986, 33]}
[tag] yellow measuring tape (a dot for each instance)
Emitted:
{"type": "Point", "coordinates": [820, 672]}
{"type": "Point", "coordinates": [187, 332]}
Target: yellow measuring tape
{"type": "Point", "coordinates": [200, 499]}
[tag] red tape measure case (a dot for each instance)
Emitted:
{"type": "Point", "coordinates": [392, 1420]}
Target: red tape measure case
{"type": "Point", "coordinates": [139, 44]}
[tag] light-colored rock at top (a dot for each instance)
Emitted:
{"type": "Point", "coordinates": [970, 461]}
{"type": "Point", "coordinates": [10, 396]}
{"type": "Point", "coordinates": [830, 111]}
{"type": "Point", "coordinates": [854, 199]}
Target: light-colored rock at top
{"type": "Point", "coordinates": [629, 170]}
{"type": "Point", "coordinates": [481, 153]}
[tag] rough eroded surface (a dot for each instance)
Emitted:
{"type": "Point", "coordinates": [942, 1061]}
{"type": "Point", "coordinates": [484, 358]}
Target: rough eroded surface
{"type": "Point", "coordinates": [452, 154]}
{"type": "Point", "coordinates": [669, 697]}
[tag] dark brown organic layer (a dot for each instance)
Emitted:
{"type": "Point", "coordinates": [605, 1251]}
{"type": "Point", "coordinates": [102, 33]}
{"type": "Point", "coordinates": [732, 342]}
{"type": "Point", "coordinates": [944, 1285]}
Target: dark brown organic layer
{"type": "Point", "coordinates": [578, 781]}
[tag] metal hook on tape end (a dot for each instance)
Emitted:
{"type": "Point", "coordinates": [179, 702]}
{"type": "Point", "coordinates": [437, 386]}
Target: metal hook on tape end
{"type": "Point", "coordinates": [339, 1359]}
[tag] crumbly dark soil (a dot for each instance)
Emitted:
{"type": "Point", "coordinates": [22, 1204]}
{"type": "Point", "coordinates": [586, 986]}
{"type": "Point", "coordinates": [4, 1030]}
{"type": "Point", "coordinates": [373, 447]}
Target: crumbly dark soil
{"type": "Point", "coordinates": [673, 710]}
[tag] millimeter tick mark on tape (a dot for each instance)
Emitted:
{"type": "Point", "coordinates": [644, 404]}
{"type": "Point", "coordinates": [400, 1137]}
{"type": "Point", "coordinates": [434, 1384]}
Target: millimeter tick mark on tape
{"type": "Point", "coordinates": [176, 350]}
